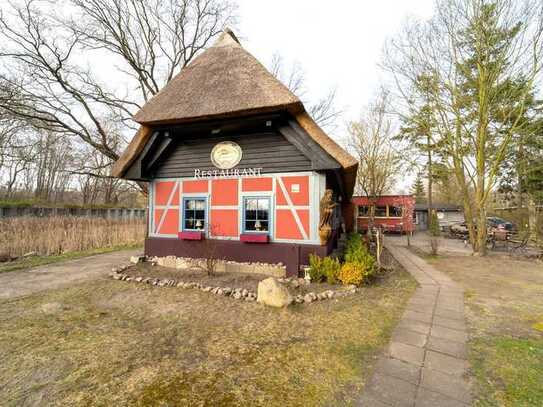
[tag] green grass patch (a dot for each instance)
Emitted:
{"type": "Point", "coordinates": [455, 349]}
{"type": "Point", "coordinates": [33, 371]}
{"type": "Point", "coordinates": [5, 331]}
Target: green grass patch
{"type": "Point", "coordinates": [509, 371]}
{"type": "Point", "coordinates": [34, 261]}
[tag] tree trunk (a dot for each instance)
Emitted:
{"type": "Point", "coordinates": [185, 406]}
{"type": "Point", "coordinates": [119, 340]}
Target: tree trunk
{"type": "Point", "coordinates": [466, 199]}
{"type": "Point", "coordinates": [532, 216]}
{"type": "Point", "coordinates": [480, 243]}
{"type": "Point", "coordinates": [430, 179]}
{"type": "Point", "coordinates": [481, 232]}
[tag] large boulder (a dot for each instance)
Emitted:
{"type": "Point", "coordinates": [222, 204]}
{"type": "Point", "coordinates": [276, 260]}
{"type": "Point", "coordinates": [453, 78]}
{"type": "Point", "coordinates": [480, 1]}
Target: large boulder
{"type": "Point", "coordinates": [273, 293]}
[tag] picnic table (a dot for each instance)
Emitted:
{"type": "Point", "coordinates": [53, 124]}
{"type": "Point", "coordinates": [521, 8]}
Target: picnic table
{"type": "Point", "coordinates": [514, 244]}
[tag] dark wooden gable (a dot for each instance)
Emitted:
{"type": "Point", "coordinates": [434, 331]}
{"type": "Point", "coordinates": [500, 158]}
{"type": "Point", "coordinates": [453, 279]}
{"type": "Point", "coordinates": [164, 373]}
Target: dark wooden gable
{"type": "Point", "coordinates": [274, 143]}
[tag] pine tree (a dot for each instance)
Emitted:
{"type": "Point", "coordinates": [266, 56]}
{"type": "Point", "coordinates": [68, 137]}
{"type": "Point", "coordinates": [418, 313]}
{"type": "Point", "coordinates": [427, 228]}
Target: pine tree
{"type": "Point", "coordinates": [417, 190]}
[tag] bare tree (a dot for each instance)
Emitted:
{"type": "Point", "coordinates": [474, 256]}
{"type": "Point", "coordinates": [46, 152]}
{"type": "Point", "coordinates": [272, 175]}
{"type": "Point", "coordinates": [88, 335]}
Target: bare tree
{"type": "Point", "coordinates": [323, 110]}
{"type": "Point", "coordinates": [50, 61]}
{"type": "Point", "coordinates": [483, 59]}
{"type": "Point", "coordinates": [371, 140]}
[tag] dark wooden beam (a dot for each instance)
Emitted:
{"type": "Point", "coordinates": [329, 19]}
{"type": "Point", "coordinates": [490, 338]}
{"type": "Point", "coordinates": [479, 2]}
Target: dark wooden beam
{"type": "Point", "coordinates": [135, 170]}
{"type": "Point", "coordinates": [297, 136]}
{"type": "Point", "coordinates": [224, 125]}
{"type": "Point", "coordinates": [339, 179]}
{"type": "Point", "coordinates": [162, 146]}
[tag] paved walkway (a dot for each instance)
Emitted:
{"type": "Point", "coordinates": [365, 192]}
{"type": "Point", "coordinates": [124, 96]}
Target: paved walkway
{"type": "Point", "coordinates": [425, 364]}
{"type": "Point", "coordinates": [25, 282]}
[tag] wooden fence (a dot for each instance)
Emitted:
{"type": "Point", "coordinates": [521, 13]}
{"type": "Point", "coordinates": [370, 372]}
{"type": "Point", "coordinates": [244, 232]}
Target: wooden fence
{"type": "Point", "coordinates": [106, 213]}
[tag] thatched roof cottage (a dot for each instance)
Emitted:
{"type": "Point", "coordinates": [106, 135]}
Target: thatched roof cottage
{"type": "Point", "coordinates": [231, 155]}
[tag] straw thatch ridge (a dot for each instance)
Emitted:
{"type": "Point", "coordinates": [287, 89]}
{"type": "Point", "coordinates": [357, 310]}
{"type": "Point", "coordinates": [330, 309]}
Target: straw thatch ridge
{"type": "Point", "coordinates": [225, 80]}
{"type": "Point", "coordinates": [330, 146]}
{"type": "Point", "coordinates": [347, 161]}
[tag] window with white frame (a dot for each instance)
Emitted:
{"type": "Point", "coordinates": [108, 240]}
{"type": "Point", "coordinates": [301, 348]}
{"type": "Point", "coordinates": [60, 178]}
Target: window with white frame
{"type": "Point", "coordinates": [395, 211]}
{"type": "Point", "coordinates": [194, 214]}
{"type": "Point", "coordinates": [256, 214]}
{"type": "Point", "coordinates": [363, 210]}
{"type": "Point", "coordinates": [381, 211]}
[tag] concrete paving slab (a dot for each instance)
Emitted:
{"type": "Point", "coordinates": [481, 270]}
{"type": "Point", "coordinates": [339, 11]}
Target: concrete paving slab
{"type": "Point", "coordinates": [450, 314]}
{"type": "Point", "coordinates": [448, 385]}
{"type": "Point", "coordinates": [370, 400]}
{"type": "Point", "coordinates": [407, 353]}
{"type": "Point", "coordinates": [452, 348]}
{"type": "Point", "coordinates": [449, 323]}
{"type": "Point", "coordinates": [409, 337]}
{"type": "Point", "coordinates": [445, 363]}
{"type": "Point", "coordinates": [450, 334]}
{"type": "Point", "coordinates": [399, 369]}
{"type": "Point", "coordinates": [428, 398]}
{"type": "Point", "coordinates": [418, 316]}
{"type": "Point", "coordinates": [420, 327]}
{"type": "Point", "coordinates": [391, 390]}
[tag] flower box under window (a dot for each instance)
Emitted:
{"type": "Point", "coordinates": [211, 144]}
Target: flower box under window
{"type": "Point", "coordinates": [254, 237]}
{"type": "Point", "coordinates": [191, 235]}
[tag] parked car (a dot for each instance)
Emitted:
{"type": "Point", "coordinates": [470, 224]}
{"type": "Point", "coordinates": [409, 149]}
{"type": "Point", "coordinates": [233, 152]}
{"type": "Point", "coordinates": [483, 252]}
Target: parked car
{"type": "Point", "coordinates": [494, 222]}
{"type": "Point", "coordinates": [459, 230]}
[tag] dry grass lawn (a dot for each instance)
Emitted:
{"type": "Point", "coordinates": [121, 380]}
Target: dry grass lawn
{"type": "Point", "coordinates": [504, 299]}
{"type": "Point", "coordinates": [115, 343]}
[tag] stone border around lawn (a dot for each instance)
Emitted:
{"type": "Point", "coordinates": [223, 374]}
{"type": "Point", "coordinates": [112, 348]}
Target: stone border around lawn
{"type": "Point", "coordinates": [236, 293]}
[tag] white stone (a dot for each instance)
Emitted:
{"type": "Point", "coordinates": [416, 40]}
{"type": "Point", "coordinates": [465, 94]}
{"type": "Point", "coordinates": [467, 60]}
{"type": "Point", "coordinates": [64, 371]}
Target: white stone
{"type": "Point", "coordinates": [137, 259]}
{"type": "Point", "coordinates": [272, 293]}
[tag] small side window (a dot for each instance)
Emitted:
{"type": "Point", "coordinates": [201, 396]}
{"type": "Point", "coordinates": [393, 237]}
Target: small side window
{"type": "Point", "coordinates": [396, 211]}
{"type": "Point", "coordinates": [256, 214]}
{"type": "Point", "coordinates": [380, 211]}
{"type": "Point", "coordinates": [363, 210]}
{"type": "Point", "coordinates": [194, 214]}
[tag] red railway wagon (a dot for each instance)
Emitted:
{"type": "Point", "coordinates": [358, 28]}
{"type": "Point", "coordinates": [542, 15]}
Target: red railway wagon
{"type": "Point", "coordinates": [394, 213]}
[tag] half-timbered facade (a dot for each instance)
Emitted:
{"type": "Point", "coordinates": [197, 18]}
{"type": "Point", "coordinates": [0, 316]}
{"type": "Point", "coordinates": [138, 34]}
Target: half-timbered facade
{"type": "Point", "coordinates": [230, 154]}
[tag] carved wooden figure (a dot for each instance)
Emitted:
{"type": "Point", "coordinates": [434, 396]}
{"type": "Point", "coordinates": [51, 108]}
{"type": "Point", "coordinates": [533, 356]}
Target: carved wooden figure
{"type": "Point", "coordinates": [327, 206]}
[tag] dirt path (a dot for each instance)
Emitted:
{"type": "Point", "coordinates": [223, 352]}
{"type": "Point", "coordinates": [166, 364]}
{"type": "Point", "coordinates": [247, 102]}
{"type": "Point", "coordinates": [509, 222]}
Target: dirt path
{"type": "Point", "coordinates": [25, 282]}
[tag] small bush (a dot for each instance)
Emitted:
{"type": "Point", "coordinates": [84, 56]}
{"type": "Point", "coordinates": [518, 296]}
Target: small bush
{"type": "Point", "coordinates": [359, 263]}
{"type": "Point", "coordinates": [325, 268]}
{"type": "Point", "coordinates": [357, 252]}
{"type": "Point", "coordinates": [352, 273]}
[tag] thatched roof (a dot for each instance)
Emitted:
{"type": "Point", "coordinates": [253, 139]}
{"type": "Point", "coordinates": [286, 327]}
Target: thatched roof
{"type": "Point", "coordinates": [131, 152]}
{"type": "Point", "coordinates": [225, 80]}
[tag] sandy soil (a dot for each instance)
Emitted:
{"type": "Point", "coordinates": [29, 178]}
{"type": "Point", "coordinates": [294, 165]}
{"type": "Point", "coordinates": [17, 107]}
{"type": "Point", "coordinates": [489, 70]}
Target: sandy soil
{"type": "Point", "coordinates": [503, 294]}
{"type": "Point", "coordinates": [25, 282]}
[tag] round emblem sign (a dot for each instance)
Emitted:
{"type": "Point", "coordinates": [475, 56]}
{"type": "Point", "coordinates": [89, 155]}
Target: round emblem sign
{"type": "Point", "coordinates": [226, 155]}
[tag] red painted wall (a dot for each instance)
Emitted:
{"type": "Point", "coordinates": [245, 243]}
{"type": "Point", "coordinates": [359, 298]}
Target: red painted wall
{"type": "Point", "coordinates": [291, 204]}
{"type": "Point", "coordinates": [399, 224]}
